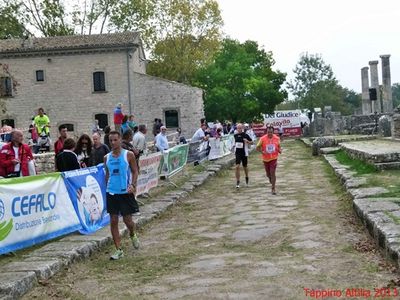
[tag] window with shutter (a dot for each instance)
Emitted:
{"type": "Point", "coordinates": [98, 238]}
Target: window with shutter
{"type": "Point", "coordinates": [5, 87]}
{"type": "Point", "coordinates": [40, 75]}
{"type": "Point", "coordinates": [99, 83]}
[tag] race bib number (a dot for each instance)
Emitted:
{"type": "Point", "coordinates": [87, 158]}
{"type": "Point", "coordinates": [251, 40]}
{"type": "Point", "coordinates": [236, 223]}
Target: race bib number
{"type": "Point", "coordinates": [270, 148]}
{"type": "Point", "coordinates": [239, 145]}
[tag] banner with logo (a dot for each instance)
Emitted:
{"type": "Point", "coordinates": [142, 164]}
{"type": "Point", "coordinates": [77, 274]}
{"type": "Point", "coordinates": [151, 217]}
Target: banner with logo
{"type": "Point", "coordinates": [288, 119]}
{"type": "Point", "coordinates": [34, 209]}
{"type": "Point", "coordinates": [148, 172]}
{"type": "Point", "coordinates": [174, 159]}
{"type": "Point", "coordinates": [86, 189]}
{"type": "Point", "coordinates": [198, 151]}
{"type": "Point", "coordinates": [220, 147]}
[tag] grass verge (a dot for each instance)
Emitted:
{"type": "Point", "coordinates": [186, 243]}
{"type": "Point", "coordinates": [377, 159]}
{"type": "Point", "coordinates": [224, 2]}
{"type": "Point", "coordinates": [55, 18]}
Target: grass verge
{"type": "Point", "coordinates": [357, 165]}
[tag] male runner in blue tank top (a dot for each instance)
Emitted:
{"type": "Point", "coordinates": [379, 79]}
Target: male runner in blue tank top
{"type": "Point", "coordinates": [121, 176]}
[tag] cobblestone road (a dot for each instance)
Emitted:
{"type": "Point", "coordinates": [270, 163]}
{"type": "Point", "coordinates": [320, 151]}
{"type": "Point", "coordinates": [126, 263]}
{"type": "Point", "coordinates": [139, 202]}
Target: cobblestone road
{"type": "Point", "coordinates": [223, 243]}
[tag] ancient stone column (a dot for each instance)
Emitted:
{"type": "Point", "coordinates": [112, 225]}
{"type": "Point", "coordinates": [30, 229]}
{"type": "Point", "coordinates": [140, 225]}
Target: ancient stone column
{"type": "Point", "coordinates": [366, 103]}
{"type": "Point", "coordinates": [387, 84]}
{"type": "Point", "coordinates": [373, 68]}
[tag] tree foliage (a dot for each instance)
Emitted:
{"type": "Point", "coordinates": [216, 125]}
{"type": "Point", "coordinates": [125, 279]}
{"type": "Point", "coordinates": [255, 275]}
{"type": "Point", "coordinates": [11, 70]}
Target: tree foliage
{"type": "Point", "coordinates": [310, 70]}
{"type": "Point", "coordinates": [48, 17]}
{"type": "Point", "coordinates": [315, 85]}
{"type": "Point", "coordinates": [183, 35]}
{"type": "Point", "coordinates": [240, 84]}
{"type": "Point", "coordinates": [11, 27]}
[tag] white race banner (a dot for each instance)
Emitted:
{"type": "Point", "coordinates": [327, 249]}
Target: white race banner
{"type": "Point", "coordinates": [34, 209]}
{"type": "Point", "coordinates": [148, 173]}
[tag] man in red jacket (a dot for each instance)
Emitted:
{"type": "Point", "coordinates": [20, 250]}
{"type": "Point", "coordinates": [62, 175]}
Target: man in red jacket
{"type": "Point", "coordinates": [118, 116]}
{"type": "Point", "coordinates": [15, 156]}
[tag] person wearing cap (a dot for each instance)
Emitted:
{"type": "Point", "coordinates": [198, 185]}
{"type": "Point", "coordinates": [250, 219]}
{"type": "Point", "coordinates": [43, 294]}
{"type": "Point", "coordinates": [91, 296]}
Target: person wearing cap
{"type": "Point", "coordinates": [161, 140]}
{"type": "Point", "coordinates": [118, 117]}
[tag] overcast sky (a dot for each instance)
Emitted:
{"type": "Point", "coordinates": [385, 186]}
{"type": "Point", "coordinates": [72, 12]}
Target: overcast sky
{"type": "Point", "coordinates": [347, 33]}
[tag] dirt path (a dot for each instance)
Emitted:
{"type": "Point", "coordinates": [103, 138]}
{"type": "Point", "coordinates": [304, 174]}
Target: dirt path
{"type": "Point", "coordinates": [247, 244]}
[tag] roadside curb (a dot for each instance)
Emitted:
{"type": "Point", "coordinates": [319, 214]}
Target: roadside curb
{"type": "Point", "coordinates": [378, 214]}
{"type": "Point", "coordinates": [375, 212]}
{"type": "Point", "coordinates": [18, 277]}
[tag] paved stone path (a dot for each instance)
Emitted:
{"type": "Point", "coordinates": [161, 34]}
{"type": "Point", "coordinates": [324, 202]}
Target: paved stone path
{"type": "Point", "coordinates": [248, 244]}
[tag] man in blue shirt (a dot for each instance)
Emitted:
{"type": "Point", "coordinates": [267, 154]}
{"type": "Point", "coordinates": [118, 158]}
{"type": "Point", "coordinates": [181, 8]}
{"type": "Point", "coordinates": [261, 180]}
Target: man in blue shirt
{"type": "Point", "coordinates": [161, 140]}
{"type": "Point", "coordinates": [121, 177]}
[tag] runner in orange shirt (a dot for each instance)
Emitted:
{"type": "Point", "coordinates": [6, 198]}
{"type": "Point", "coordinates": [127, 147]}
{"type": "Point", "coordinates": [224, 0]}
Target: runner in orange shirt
{"type": "Point", "coordinates": [270, 147]}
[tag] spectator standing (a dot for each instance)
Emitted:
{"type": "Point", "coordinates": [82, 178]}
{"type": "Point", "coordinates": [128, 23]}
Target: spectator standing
{"type": "Point", "coordinates": [139, 141]}
{"type": "Point", "coordinates": [121, 176]}
{"type": "Point", "coordinates": [126, 140]}
{"type": "Point", "coordinates": [99, 150]}
{"type": "Point", "coordinates": [67, 160]}
{"type": "Point", "coordinates": [118, 116]}
{"type": "Point", "coordinates": [96, 128]}
{"type": "Point", "coordinates": [199, 135]}
{"type": "Point", "coordinates": [15, 157]}
{"type": "Point", "coordinates": [107, 130]}
{"type": "Point", "coordinates": [59, 144]}
{"type": "Point", "coordinates": [180, 138]}
{"type": "Point", "coordinates": [33, 132]}
{"type": "Point", "coordinates": [124, 125]}
{"type": "Point", "coordinates": [131, 122]}
{"type": "Point", "coordinates": [42, 122]}
{"type": "Point", "coordinates": [280, 131]}
{"type": "Point", "coordinates": [161, 140]}
{"type": "Point", "coordinates": [83, 150]}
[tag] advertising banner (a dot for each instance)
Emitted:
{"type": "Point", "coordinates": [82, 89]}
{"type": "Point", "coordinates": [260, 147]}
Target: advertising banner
{"type": "Point", "coordinates": [148, 172]}
{"type": "Point", "coordinates": [175, 159]}
{"type": "Point", "coordinates": [220, 147]}
{"type": "Point", "coordinates": [288, 119]}
{"type": "Point", "coordinates": [215, 148]}
{"type": "Point", "coordinates": [198, 151]}
{"type": "Point", "coordinates": [34, 209]}
{"type": "Point", "coordinates": [86, 189]}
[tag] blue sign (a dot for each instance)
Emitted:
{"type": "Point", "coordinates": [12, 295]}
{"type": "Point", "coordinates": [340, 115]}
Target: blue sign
{"type": "Point", "coordinates": [86, 188]}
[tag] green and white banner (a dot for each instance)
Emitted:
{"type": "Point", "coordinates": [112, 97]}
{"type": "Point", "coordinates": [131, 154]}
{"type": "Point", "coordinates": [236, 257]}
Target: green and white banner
{"type": "Point", "coordinates": [174, 160]}
{"type": "Point", "coordinates": [34, 209]}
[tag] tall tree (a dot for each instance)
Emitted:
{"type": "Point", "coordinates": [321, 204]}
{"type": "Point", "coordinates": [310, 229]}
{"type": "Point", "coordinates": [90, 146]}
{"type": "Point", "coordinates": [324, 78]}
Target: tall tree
{"type": "Point", "coordinates": [240, 85]}
{"type": "Point", "coordinates": [48, 17]}
{"type": "Point", "coordinates": [310, 69]}
{"type": "Point", "coordinates": [182, 35]}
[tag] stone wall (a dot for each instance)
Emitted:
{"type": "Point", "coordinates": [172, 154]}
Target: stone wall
{"type": "Point", "coordinates": [356, 124]}
{"type": "Point", "coordinates": [67, 94]}
{"type": "Point", "coordinates": [396, 126]}
{"type": "Point", "coordinates": [159, 95]}
{"type": "Point", "coordinates": [44, 162]}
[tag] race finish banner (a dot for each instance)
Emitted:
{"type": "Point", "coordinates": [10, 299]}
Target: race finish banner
{"type": "Point", "coordinates": [34, 209]}
{"type": "Point", "coordinates": [174, 160]}
{"type": "Point", "coordinates": [148, 172]}
{"type": "Point", "coordinates": [86, 189]}
{"type": "Point", "coordinates": [288, 119]}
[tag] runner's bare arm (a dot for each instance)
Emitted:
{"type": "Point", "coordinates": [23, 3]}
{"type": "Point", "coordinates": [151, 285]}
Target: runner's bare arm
{"type": "Point", "coordinates": [134, 171]}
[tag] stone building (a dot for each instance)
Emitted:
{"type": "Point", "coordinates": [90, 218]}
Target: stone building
{"type": "Point", "coordinates": [78, 79]}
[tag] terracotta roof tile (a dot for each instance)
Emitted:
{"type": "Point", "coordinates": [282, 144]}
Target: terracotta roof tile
{"type": "Point", "coordinates": [68, 42]}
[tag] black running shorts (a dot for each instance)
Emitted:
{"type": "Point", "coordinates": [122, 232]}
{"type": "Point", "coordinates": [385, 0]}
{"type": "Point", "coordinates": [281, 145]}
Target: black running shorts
{"type": "Point", "coordinates": [121, 204]}
{"type": "Point", "coordinates": [240, 158]}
